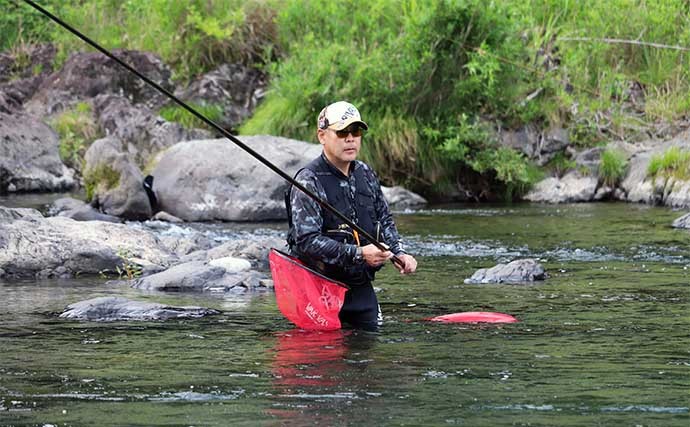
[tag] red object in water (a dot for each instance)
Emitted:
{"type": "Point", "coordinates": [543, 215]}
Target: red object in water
{"type": "Point", "coordinates": [475, 317]}
{"type": "Point", "coordinates": [307, 298]}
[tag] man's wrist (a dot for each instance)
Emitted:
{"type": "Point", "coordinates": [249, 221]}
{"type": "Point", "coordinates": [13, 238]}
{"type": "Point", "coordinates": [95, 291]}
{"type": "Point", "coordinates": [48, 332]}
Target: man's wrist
{"type": "Point", "coordinates": [358, 257]}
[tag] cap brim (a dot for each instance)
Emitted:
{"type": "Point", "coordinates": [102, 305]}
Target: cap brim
{"type": "Point", "coordinates": [346, 123]}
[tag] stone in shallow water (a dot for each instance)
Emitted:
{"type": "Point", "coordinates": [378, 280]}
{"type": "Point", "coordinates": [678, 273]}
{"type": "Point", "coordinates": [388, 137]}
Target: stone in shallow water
{"type": "Point", "coordinates": [104, 309]}
{"type": "Point", "coordinates": [518, 271]}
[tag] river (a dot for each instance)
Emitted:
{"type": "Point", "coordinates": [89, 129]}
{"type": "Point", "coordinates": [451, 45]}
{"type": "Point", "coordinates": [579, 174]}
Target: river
{"type": "Point", "coordinates": [604, 340]}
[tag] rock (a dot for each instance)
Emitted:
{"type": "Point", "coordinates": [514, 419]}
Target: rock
{"type": "Point", "coordinates": [199, 276]}
{"type": "Point", "coordinates": [142, 133]}
{"type": "Point", "coordinates": [255, 251]}
{"type": "Point", "coordinates": [64, 204]}
{"type": "Point", "coordinates": [20, 78]}
{"type": "Point", "coordinates": [573, 187]}
{"type": "Point", "coordinates": [166, 217]}
{"type": "Point", "coordinates": [662, 190]}
{"type": "Point", "coordinates": [537, 145]}
{"type": "Point", "coordinates": [518, 271]}
{"type": "Point", "coordinates": [589, 159]}
{"type": "Point", "coordinates": [114, 182]}
{"type": "Point", "coordinates": [88, 213]}
{"type": "Point", "coordinates": [682, 222]}
{"type": "Point", "coordinates": [231, 264]}
{"type": "Point", "coordinates": [36, 60]}
{"type": "Point", "coordinates": [216, 180]}
{"type": "Point", "coordinates": [525, 140]}
{"type": "Point", "coordinates": [553, 141]}
{"type": "Point", "coordinates": [78, 210]}
{"type": "Point", "coordinates": [31, 244]}
{"type": "Point", "coordinates": [86, 75]}
{"type": "Point", "coordinates": [107, 309]}
{"type": "Point", "coordinates": [400, 198]}
{"type": "Point", "coordinates": [29, 158]}
{"type": "Point", "coordinates": [234, 87]}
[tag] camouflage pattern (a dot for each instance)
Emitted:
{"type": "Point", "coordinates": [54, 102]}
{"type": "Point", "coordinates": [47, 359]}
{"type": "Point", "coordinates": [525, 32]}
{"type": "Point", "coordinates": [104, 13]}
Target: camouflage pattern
{"type": "Point", "coordinates": [307, 220]}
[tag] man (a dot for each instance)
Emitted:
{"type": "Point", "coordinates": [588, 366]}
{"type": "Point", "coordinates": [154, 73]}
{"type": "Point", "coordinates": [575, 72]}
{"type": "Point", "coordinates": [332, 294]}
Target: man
{"type": "Point", "coordinates": [321, 240]}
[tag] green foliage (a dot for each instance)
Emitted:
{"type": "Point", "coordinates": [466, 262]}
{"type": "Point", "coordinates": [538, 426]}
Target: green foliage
{"type": "Point", "coordinates": [180, 115]}
{"type": "Point", "coordinates": [561, 164]}
{"type": "Point", "coordinates": [76, 128]}
{"type": "Point", "coordinates": [612, 167]}
{"type": "Point", "coordinates": [19, 24]}
{"type": "Point", "coordinates": [422, 73]}
{"type": "Point", "coordinates": [101, 175]}
{"type": "Point", "coordinates": [192, 36]}
{"type": "Point", "coordinates": [674, 163]}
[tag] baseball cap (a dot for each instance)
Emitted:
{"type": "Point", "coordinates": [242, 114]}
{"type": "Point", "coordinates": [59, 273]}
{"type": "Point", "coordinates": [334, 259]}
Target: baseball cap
{"type": "Point", "coordinates": [340, 115]}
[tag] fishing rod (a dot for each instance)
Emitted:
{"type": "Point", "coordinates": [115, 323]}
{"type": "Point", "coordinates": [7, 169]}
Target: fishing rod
{"type": "Point", "coordinates": [211, 123]}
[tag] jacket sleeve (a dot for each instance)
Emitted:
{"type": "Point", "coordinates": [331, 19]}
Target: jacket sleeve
{"type": "Point", "coordinates": [307, 220]}
{"type": "Point", "coordinates": [389, 232]}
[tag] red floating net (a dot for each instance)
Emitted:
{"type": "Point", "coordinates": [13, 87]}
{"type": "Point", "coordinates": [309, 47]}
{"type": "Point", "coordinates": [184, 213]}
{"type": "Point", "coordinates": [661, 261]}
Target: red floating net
{"type": "Point", "coordinates": [307, 298]}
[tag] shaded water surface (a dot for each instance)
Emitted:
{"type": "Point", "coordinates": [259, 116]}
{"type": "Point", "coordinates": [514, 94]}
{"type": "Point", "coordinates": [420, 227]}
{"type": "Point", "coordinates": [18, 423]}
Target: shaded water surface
{"type": "Point", "coordinates": [605, 340]}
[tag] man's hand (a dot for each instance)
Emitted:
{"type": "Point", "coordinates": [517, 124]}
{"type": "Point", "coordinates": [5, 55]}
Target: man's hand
{"type": "Point", "coordinates": [374, 256]}
{"type": "Point", "coordinates": [409, 264]}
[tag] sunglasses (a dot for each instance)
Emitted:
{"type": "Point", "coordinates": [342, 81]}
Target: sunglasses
{"type": "Point", "coordinates": [354, 130]}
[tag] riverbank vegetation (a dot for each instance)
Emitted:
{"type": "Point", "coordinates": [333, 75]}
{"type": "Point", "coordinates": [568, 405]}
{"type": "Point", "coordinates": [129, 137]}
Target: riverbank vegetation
{"type": "Point", "coordinates": [435, 79]}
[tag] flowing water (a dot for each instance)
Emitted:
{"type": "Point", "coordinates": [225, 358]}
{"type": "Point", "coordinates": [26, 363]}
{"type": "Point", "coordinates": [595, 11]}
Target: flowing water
{"type": "Point", "coordinates": [605, 340]}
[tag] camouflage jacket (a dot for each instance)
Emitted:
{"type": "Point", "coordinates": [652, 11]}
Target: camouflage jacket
{"type": "Point", "coordinates": [311, 243]}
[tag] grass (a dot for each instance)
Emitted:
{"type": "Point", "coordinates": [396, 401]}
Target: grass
{"type": "Point", "coordinates": [188, 120]}
{"type": "Point", "coordinates": [101, 175]}
{"type": "Point", "coordinates": [77, 129]}
{"type": "Point", "coordinates": [673, 163]}
{"type": "Point", "coordinates": [612, 167]}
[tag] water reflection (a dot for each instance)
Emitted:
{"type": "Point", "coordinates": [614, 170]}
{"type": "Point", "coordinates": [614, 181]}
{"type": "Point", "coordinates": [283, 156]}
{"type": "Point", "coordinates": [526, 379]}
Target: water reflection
{"type": "Point", "coordinates": [312, 371]}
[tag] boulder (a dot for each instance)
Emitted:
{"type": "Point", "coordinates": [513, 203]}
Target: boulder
{"type": "Point", "coordinates": [235, 88]}
{"type": "Point", "coordinates": [29, 158]}
{"type": "Point", "coordinates": [401, 198]}
{"type": "Point", "coordinates": [537, 145]}
{"type": "Point", "coordinates": [200, 276]}
{"type": "Point", "coordinates": [31, 245]}
{"type": "Point", "coordinates": [21, 74]}
{"type": "Point", "coordinates": [143, 134]}
{"type": "Point", "coordinates": [518, 271]}
{"type": "Point", "coordinates": [573, 187]}
{"type": "Point", "coordinates": [108, 309]}
{"type": "Point", "coordinates": [216, 180]}
{"type": "Point", "coordinates": [114, 182]}
{"type": "Point", "coordinates": [641, 188]}
{"type": "Point", "coordinates": [86, 75]}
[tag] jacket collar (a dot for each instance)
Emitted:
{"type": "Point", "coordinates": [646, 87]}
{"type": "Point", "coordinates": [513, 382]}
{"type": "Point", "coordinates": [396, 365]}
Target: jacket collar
{"type": "Point", "coordinates": [335, 170]}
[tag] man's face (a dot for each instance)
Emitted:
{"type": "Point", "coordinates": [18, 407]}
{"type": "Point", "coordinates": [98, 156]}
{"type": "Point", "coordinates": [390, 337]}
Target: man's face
{"type": "Point", "coordinates": [341, 147]}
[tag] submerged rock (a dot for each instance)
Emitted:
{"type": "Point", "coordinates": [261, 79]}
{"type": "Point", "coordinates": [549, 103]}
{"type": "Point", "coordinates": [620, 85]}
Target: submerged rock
{"type": "Point", "coordinates": [108, 309]}
{"type": "Point", "coordinates": [682, 222]}
{"type": "Point", "coordinates": [518, 271]}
